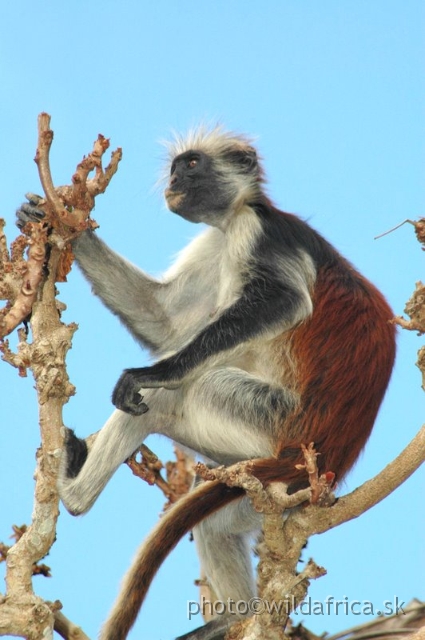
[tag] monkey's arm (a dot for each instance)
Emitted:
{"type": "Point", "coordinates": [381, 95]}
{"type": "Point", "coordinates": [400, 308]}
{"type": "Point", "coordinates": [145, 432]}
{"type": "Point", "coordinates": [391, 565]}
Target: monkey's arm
{"type": "Point", "coordinates": [265, 306]}
{"type": "Point", "coordinates": [135, 297]}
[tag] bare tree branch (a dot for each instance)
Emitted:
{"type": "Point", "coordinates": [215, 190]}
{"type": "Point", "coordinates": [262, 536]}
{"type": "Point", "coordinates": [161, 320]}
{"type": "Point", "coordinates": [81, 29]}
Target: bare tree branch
{"type": "Point", "coordinates": [180, 474]}
{"type": "Point", "coordinates": [415, 309]}
{"type": "Point", "coordinates": [284, 540]}
{"type": "Point", "coordinates": [45, 139]}
{"type": "Point", "coordinates": [373, 491]}
{"type": "Point", "coordinates": [32, 289]}
{"type": "Point", "coordinates": [67, 629]}
{"type": "Point", "coordinates": [19, 279]}
{"type": "Point", "coordinates": [71, 205]}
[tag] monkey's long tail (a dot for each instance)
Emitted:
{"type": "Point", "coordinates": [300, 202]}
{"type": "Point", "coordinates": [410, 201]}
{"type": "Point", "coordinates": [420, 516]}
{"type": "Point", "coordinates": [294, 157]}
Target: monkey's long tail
{"type": "Point", "coordinates": [177, 521]}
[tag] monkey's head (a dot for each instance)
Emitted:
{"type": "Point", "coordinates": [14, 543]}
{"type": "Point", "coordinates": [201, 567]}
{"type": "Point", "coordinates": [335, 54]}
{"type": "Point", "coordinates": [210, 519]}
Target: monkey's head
{"type": "Point", "coordinates": [212, 174]}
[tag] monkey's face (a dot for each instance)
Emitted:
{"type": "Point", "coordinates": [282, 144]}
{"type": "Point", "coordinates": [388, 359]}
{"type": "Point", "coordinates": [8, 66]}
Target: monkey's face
{"type": "Point", "coordinates": [197, 190]}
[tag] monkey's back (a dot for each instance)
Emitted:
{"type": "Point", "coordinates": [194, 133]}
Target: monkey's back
{"type": "Point", "coordinates": [342, 356]}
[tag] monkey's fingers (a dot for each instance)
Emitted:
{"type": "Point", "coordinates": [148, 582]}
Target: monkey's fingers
{"type": "Point", "coordinates": [126, 395]}
{"type": "Point", "coordinates": [28, 212]}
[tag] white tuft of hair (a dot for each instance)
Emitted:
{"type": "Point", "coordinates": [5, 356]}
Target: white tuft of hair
{"type": "Point", "coordinates": [216, 141]}
{"type": "Point", "coordinates": [212, 140]}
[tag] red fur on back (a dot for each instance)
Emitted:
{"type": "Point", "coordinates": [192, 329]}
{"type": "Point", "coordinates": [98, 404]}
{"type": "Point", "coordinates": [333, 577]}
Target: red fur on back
{"type": "Point", "coordinates": [343, 356]}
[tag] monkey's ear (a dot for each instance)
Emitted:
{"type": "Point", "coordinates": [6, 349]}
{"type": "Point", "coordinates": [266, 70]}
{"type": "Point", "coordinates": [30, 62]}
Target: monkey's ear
{"type": "Point", "coordinates": [246, 158]}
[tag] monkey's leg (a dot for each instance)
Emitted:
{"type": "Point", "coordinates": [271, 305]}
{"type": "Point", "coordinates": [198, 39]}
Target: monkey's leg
{"type": "Point", "coordinates": [224, 548]}
{"type": "Point", "coordinates": [231, 415]}
{"type": "Point", "coordinates": [87, 466]}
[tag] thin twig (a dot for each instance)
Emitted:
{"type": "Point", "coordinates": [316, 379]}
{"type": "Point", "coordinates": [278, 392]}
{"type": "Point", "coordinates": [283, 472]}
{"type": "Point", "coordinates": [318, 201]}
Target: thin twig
{"type": "Point", "coordinates": [45, 139]}
{"type": "Point", "coordinates": [381, 235]}
{"type": "Point", "coordinates": [373, 491]}
{"type": "Point", "coordinates": [67, 629]}
{"type": "Point", "coordinates": [412, 610]}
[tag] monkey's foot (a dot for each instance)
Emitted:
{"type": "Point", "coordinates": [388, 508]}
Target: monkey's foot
{"type": "Point", "coordinates": [76, 452]}
{"type": "Point", "coordinates": [74, 456]}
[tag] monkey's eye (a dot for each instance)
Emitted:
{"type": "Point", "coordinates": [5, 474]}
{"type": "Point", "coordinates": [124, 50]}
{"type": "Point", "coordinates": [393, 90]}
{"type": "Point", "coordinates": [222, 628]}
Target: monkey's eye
{"type": "Point", "coordinates": [192, 163]}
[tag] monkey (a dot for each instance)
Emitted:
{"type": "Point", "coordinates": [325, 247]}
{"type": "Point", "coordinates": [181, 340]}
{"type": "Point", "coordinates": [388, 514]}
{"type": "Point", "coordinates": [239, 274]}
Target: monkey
{"type": "Point", "coordinates": [264, 338]}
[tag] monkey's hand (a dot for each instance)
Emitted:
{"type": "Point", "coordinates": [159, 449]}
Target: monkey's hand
{"type": "Point", "coordinates": [126, 395]}
{"type": "Point", "coordinates": [28, 211]}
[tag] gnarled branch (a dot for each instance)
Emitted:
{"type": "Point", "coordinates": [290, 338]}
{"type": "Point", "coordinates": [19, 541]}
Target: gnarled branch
{"type": "Point", "coordinates": [30, 288]}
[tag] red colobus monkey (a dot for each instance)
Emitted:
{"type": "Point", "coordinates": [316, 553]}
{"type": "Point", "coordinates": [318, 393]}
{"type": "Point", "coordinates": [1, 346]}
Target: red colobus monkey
{"type": "Point", "coordinates": [264, 337]}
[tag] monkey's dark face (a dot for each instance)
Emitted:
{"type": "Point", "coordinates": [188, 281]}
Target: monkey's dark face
{"type": "Point", "coordinates": [196, 190]}
{"type": "Point", "coordinates": [209, 186]}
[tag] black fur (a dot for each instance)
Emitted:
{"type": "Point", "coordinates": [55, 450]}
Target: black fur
{"type": "Point", "coordinates": [28, 212]}
{"type": "Point", "coordinates": [76, 453]}
{"type": "Point", "coordinates": [265, 301]}
{"type": "Point", "coordinates": [206, 196]}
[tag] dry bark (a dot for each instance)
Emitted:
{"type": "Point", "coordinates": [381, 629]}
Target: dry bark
{"type": "Point", "coordinates": [30, 288]}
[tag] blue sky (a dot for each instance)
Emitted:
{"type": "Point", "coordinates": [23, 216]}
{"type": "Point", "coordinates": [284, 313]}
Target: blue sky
{"type": "Point", "coordinates": [334, 93]}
